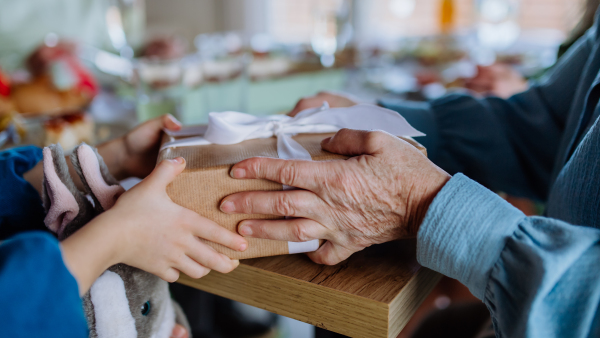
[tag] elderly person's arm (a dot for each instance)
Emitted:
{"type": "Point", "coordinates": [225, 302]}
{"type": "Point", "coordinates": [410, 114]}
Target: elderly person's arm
{"type": "Point", "coordinates": [538, 276]}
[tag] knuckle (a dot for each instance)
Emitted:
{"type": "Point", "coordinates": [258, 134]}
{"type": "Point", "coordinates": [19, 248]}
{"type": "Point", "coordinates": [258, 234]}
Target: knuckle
{"type": "Point", "coordinates": [187, 216]}
{"type": "Point", "coordinates": [373, 139]}
{"type": "Point", "coordinates": [288, 174]}
{"type": "Point", "coordinates": [301, 102]}
{"type": "Point", "coordinates": [285, 205]}
{"type": "Point", "coordinates": [300, 232]}
{"type": "Point", "coordinates": [175, 257]}
{"type": "Point", "coordinates": [246, 205]}
{"type": "Point", "coordinates": [253, 166]}
{"type": "Point", "coordinates": [211, 261]}
{"type": "Point", "coordinates": [343, 131]}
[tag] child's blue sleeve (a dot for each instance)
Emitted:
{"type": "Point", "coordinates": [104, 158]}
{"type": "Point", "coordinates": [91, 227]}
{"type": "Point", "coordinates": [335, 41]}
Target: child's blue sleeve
{"type": "Point", "coordinates": [38, 295]}
{"type": "Point", "coordinates": [20, 204]}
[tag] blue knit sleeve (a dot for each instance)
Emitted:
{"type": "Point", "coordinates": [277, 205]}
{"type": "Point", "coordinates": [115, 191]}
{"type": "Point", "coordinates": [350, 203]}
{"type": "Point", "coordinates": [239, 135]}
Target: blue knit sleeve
{"type": "Point", "coordinates": [39, 296]}
{"type": "Point", "coordinates": [20, 204]}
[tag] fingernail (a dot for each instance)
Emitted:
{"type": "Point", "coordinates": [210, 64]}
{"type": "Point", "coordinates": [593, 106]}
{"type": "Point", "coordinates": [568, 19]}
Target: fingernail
{"type": "Point", "coordinates": [245, 230]}
{"type": "Point", "coordinates": [243, 247]}
{"type": "Point", "coordinates": [326, 140]}
{"type": "Point", "coordinates": [227, 206]}
{"type": "Point", "coordinates": [174, 120]}
{"type": "Point", "coordinates": [178, 160]}
{"type": "Point", "coordinates": [238, 173]}
{"type": "Point", "coordinates": [237, 262]}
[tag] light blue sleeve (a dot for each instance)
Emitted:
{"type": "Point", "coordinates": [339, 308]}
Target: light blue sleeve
{"type": "Point", "coordinates": [538, 276]}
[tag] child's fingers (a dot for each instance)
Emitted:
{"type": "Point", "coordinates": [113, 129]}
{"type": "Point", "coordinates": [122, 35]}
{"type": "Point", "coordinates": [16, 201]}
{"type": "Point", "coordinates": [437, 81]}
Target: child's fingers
{"type": "Point", "coordinates": [171, 275]}
{"type": "Point", "coordinates": [165, 172]}
{"type": "Point", "coordinates": [170, 122]}
{"type": "Point", "coordinates": [209, 258]}
{"type": "Point", "coordinates": [209, 230]}
{"type": "Point", "coordinates": [191, 268]}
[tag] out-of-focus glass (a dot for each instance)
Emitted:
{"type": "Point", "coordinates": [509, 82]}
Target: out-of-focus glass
{"type": "Point", "coordinates": [159, 88]}
{"type": "Point", "coordinates": [402, 9]}
{"type": "Point", "coordinates": [497, 26]}
{"type": "Point", "coordinates": [332, 29]}
{"type": "Point", "coordinates": [125, 21]}
{"type": "Point", "coordinates": [225, 60]}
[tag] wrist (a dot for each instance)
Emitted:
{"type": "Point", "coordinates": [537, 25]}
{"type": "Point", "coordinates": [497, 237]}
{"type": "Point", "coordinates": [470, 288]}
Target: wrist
{"type": "Point", "coordinates": [420, 206]}
{"type": "Point", "coordinates": [90, 251]}
{"type": "Point", "coordinates": [114, 154]}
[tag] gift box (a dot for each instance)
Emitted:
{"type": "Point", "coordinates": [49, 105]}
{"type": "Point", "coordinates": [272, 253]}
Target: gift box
{"type": "Point", "coordinates": [205, 182]}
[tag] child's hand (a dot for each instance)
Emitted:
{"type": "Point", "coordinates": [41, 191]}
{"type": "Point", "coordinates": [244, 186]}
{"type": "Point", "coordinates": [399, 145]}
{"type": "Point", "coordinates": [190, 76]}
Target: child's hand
{"type": "Point", "coordinates": [161, 237]}
{"type": "Point", "coordinates": [134, 154]}
{"type": "Point", "coordinates": [145, 229]}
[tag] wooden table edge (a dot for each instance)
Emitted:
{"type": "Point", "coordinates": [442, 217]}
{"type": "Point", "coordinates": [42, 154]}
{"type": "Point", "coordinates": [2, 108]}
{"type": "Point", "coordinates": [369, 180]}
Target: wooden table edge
{"type": "Point", "coordinates": [337, 311]}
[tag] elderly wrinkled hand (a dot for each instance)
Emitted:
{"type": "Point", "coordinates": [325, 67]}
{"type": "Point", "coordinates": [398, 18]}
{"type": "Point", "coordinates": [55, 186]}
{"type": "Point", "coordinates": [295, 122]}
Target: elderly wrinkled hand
{"type": "Point", "coordinates": [380, 194]}
{"type": "Point", "coordinates": [315, 101]}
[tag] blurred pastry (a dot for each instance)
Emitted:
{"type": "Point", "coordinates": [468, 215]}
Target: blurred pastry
{"type": "Point", "coordinates": [41, 97]}
{"type": "Point", "coordinates": [38, 63]}
{"type": "Point", "coordinates": [6, 106]}
{"type": "Point", "coordinates": [59, 83]}
{"type": "Point", "coordinates": [164, 48]}
{"type": "Point", "coordinates": [69, 130]}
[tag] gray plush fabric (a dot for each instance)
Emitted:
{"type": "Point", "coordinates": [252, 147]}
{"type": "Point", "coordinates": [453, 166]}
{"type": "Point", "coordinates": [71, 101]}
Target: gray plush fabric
{"type": "Point", "coordinates": [88, 310]}
{"type": "Point", "coordinates": [106, 175]}
{"type": "Point", "coordinates": [140, 286]}
{"type": "Point", "coordinates": [86, 211]}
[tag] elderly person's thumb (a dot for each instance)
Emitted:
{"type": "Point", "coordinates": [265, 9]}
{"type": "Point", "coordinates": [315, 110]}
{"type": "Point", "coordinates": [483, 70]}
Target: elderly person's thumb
{"type": "Point", "coordinates": [352, 142]}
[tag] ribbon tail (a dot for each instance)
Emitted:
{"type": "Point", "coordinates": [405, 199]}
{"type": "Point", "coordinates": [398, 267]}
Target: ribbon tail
{"type": "Point", "coordinates": [288, 149]}
{"type": "Point", "coordinates": [186, 142]}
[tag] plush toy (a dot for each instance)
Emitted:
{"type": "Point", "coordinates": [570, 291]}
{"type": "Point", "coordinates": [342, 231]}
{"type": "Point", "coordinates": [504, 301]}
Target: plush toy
{"type": "Point", "coordinates": [124, 302]}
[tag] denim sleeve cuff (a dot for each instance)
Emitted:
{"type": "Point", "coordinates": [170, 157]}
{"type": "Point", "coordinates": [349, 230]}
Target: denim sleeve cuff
{"type": "Point", "coordinates": [464, 232]}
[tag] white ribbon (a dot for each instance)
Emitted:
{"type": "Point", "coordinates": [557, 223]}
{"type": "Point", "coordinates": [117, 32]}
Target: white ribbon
{"type": "Point", "coordinates": [234, 127]}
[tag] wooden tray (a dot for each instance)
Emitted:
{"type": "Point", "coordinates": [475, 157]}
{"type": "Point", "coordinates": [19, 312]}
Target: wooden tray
{"type": "Point", "coordinates": [372, 294]}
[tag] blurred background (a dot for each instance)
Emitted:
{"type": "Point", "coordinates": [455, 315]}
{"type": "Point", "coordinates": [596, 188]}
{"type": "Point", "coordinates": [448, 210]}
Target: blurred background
{"type": "Point", "coordinates": [89, 70]}
{"type": "Point", "coordinates": [143, 58]}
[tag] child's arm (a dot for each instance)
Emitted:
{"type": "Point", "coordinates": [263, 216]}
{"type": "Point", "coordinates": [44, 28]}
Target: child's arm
{"type": "Point", "coordinates": [133, 155]}
{"type": "Point", "coordinates": [38, 294]}
{"type": "Point", "coordinates": [145, 229]}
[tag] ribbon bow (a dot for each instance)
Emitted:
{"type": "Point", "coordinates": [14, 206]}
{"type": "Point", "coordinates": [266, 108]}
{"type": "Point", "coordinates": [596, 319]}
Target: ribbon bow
{"type": "Point", "coordinates": [234, 127]}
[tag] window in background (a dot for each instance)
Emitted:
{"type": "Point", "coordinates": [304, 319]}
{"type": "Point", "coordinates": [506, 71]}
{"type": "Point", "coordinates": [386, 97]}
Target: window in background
{"type": "Point", "coordinates": [291, 21]}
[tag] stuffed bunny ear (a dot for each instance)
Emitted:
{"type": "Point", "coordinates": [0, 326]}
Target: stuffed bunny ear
{"type": "Point", "coordinates": [94, 174]}
{"type": "Point", "coordinates": [59, 191]}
